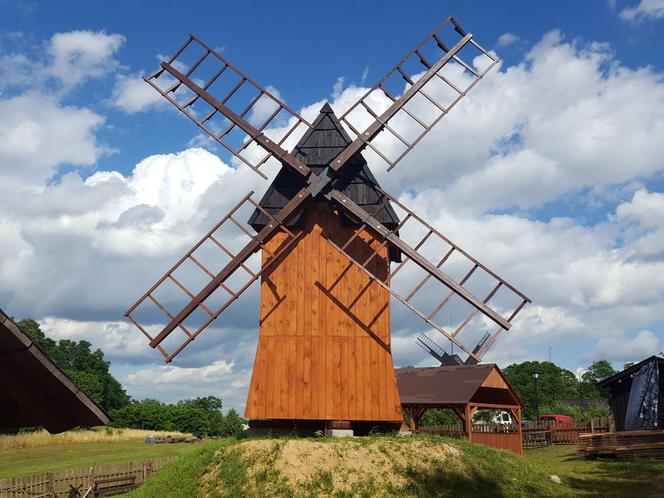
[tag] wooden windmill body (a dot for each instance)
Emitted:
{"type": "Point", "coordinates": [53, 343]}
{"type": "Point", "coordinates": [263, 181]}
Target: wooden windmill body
{"type": "Point", "coordinates": [332, 242]}
{"type": "Point", "coordinates": [324, 350]}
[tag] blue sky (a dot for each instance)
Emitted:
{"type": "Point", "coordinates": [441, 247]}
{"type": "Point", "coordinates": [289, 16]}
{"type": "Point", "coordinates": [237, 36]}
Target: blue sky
{"type": "Point", "coordinates": [550, 171]}
{"type": "Point", "coordinates": [301, 48]}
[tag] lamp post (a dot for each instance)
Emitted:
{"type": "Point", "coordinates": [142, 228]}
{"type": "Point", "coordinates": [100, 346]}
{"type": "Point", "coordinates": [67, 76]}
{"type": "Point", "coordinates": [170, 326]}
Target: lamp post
{"type": "Point", "coordinates": [535, 377]}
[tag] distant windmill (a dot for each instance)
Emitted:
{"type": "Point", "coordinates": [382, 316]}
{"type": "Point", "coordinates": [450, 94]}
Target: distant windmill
{"type": "Point", "coordinates": [327, 234]}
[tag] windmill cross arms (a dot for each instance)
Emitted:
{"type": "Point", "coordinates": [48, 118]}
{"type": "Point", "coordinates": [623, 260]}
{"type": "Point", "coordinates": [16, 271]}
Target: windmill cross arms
{"type": "Point", "coordinates": [399, 110]}
{"type": "Point", "coordinates": [500, 304]}
{"type": "Point", "coordinates": [357, 212]}
{"type": "Point", "coordinates": [244, 117]}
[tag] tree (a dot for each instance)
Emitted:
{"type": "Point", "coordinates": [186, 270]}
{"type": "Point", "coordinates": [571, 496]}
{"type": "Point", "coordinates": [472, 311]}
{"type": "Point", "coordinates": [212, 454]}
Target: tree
{"type": "Point", "coordinates": [233, 424]}
{"type": "Point", "coordinates": [200, 417]}
{"type": "Point", "coordinates": [210, 421]}
{"type": "Point", "coordinates": [554, 384]}
{"type": "Point", "coordinates": [439, 416]}
{"type": "Point", "coordinates": [597, 409]}
{"type": "Point", "coordinates": [87, 368]}
{"type": "Point", "coordinates": [89, 383]}
{"type": "Point", "coordinates": [596, 372]}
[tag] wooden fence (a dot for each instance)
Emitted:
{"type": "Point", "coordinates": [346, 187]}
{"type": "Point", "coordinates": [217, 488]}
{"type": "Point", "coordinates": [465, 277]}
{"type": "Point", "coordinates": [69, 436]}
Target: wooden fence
{"type": "Point", "coordinates": [501, 436]}
{"type": "Point", "coordinates": [455, 431]}
{"type": "Point", "coordinates": [545, 433]}
{"type": "Point", "coordinates": [58, 484]}
{"type": "Point", "coordinates": [534, 434]}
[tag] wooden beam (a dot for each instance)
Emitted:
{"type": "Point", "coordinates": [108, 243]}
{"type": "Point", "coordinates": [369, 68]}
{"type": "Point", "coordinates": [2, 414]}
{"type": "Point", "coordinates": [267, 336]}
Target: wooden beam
{"type": "Point", "coordinates": [459, 413]}
{"type": "Point", "coordinates": [493, 405]}
{"type": "Point", "coordinates": [377, 126]}
{"type": "Point", "coordinates": [285, 157]}
{"type": "Point", "coordinates": [254, 245]}
{"type": "Point", "coordinates": [468, 423]}
{"type": "Point", "coordinates": [357, 212]}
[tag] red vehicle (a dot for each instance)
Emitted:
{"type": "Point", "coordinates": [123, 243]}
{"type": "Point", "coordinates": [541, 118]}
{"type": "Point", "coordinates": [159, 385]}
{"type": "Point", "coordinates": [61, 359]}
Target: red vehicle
{"type": "Point", "coordinates": [551, 417]}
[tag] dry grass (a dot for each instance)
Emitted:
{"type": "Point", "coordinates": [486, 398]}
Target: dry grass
{"type": "Point", "coordinates": [98, 435]}
{"type": "Point", "coordinates": [351, 462]}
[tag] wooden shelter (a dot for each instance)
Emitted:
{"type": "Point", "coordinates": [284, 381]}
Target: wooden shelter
{"type": "Point", "coordinates": [648, 396]}
{"type": "Point", "coordinates": [35, 392]}
{"type": "Point", "coordinates": [464, 389]}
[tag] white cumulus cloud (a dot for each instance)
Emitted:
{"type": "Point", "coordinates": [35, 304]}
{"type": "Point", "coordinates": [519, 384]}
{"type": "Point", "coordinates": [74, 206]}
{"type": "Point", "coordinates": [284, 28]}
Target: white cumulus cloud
{"type": "Point", "coordinates": [82, 55]}
{"type": "Point", "coordinates": [132, 94]}
{"type": "Point", "coordinates": [507, 39]}
{"type": "Point", "coordinates": [644, 10]}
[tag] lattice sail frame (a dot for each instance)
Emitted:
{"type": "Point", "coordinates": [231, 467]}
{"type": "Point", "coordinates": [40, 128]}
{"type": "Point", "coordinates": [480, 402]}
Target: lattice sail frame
{"type": "Point", "coordinates": [390, 120]}
{"type": "Point", "coordinates": [225, 295]}
{"type": "Point", "coordinates": [499, 295]}
{"type": "Point", "coordinates": [209, 77]}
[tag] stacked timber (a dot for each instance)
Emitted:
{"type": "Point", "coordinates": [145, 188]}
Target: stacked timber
{"type": "Point", "coordinates": [625, 444]}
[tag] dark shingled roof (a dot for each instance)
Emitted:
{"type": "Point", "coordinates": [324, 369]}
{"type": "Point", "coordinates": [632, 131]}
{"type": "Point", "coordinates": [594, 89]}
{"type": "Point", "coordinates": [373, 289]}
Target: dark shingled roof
{"type": "Point", "coordinates": [33, 391]}
{"type": "Point", "coordinates": [322, 143]}
{"type": "Point", "coordinates": [628, 372]}
{"type": "Point", "coordinates": [451, 385]}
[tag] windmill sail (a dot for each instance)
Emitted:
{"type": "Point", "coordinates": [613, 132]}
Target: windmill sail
{"type": "Point", "coordinates": [479, 296]}
{"type": "Point", "coordinates": [206, 280]}
{"type": "Point", "coordinates": [244, 117]}
{"type": "Point", "coordinates": [399, 110]}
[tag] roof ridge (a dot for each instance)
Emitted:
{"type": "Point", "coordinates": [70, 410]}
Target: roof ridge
{"type": "Point", "coordinates": [326, 112]}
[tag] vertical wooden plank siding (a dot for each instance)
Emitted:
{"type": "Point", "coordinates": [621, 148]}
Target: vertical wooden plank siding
{"type": "Point", "coordinates": [510, 441]}
{"type": "Point", "coordinates": [324, 349]}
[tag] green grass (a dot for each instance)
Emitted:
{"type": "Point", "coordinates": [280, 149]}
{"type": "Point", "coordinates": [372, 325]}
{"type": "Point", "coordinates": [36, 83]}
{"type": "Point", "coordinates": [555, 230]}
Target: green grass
{"type": "Point", "coordinates": [600, 478]}
{"type": "Point", "coordinates": [182, 478]}
{"type": "Point", "coordinates": [481, 472]}
{"type": "Point", "coordinates": [15, 462]}
{"type": "Point", "coordinates": [218, 469]}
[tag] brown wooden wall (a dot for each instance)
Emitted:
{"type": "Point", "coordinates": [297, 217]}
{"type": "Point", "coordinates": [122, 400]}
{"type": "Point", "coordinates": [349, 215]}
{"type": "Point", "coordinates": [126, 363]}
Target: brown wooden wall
{"type": "Point", "coordinates": [324, 341]}
{"type": "Point", "coordinates": [510, 441]}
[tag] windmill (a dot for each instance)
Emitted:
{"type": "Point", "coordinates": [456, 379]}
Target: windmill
{"type": "Point", "coordinates": [328, 244]}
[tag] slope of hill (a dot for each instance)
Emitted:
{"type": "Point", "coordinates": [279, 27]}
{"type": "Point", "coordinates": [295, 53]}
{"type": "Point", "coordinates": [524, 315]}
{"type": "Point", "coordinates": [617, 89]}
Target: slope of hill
{"type": "Point", "coordinates": [377, 466]}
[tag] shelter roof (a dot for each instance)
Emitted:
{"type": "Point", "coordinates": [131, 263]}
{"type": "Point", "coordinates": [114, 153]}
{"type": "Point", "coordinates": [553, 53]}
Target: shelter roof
{"type": "Point", "coordinates": [628, 372]}
{"type": "Point", "coordinates": [455, 385]}
{"type": "Point", "coordinates": [34, 391]}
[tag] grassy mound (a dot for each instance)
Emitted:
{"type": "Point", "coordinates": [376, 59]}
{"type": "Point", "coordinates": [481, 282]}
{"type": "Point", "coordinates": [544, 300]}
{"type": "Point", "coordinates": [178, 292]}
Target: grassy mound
{"type": "Point", "coordinates": [376, 466]}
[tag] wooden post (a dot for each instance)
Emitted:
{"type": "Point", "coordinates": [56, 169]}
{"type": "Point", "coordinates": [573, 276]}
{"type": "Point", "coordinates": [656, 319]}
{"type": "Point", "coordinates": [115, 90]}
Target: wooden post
{"type": "Point", "coordinates": [468, 423]}
{"type": "Point", "coordinates": [417, 416]}
{"type": "Point", "coordinates": [50, 487]}
{"type": "Point", "coordinates": [411, 422]}
{"type": "Point", "coordinates": [517, 413]}
{"type": "Point", "coordinates": [414, 415]}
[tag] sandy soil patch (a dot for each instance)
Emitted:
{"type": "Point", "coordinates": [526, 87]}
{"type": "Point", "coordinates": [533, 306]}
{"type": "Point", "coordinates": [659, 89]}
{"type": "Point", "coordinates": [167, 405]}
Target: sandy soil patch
{"type": "Point", "coordinates": [344, 464]}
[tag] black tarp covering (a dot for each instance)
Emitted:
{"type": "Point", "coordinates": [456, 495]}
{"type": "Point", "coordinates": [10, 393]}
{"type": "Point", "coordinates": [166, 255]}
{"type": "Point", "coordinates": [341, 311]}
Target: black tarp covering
{"type": "Point", "coordinates": [642, 407]}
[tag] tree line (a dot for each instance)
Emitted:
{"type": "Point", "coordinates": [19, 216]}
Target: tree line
{"type": "Point", "coordinates": [200, 417]}
{"type": "Point", "coordinates": [203, 416]}
{"type": "Point", "coordinates": [556, 385]}
{"type": "Point", "coordinates": [91, 373]}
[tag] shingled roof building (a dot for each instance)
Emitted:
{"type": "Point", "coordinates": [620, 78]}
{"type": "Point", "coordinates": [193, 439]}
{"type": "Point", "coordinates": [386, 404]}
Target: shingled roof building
{"type": "Point", "coordinates": [464, 389]}
{"type": "Point", "coordinates": [636, 395]}
{"type": "Point", "coordinates": [35, 392]}
{"type": "Point", "coordinates": [322, 143]}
